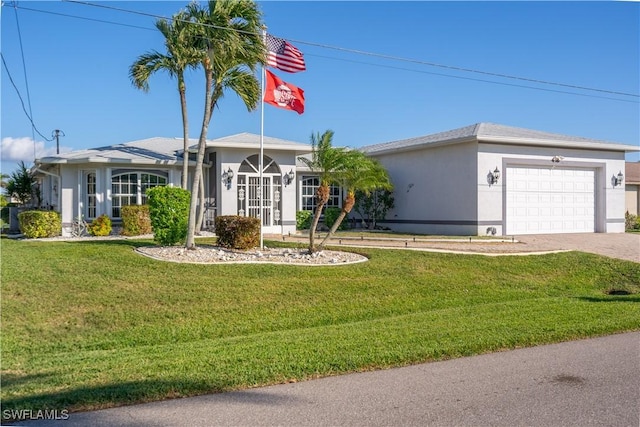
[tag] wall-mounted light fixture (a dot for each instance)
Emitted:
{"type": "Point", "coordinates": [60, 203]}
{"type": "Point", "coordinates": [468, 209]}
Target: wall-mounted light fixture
{"type": "Point", "coordinates": [288, 177]}
{"type": "Point", "coordinates": [493, 177]}
{"type": "Point", "coordinates": [617, 179]}
{"type": "Point", "coordinates": [228, 177]}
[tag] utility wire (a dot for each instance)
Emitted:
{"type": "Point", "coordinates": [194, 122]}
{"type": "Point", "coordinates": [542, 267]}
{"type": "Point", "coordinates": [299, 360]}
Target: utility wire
{"type": "Point", "coordinates": [474, 79]}
{"type": "Point", "coordinates": [86, 18]}
{"type": "Point", "coordinates": [26, 80]}
{"type": "Point", "coordinates": [383, 56]}
{"type": "Point", "coordinates": [33, 125]}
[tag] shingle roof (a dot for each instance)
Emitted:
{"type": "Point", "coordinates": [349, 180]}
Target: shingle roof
{"type": "Point", "coordinates": [146, 151]}
{"type": "Point", "coordinates": [159, 150]}
{"type": "Point", "coordinates": [491, 132]}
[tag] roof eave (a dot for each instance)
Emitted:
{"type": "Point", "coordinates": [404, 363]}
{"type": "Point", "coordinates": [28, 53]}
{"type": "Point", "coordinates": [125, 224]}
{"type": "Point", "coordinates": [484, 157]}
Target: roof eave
{"type": "Point", "coordinates": [600, 146]}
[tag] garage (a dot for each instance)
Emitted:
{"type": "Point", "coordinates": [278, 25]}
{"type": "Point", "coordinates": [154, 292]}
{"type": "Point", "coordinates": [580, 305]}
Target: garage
{"type": "Point", "coordinates": [543, 200]}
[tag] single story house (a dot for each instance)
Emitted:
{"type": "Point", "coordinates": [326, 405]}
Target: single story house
{"type": "Point", "coordinates": [101, 180]}
{"type": "Point", "coordinates": [632, 187]}
{"type": "Point", "coordinates": [488, 178]}
{"type": "Point", "coordinates": [480, 179]}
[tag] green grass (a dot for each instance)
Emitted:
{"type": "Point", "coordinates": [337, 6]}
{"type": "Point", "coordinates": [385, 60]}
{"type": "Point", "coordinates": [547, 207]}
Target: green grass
{"type": "Point", "coordinates": [92, 325]}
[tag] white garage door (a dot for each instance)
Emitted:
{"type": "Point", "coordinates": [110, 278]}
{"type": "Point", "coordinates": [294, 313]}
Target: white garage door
{"type": "Point", "coordinates": [544, 200]}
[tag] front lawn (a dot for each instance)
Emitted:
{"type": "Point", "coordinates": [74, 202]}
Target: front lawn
{"type": "Point", "coordinates": [89, 325]}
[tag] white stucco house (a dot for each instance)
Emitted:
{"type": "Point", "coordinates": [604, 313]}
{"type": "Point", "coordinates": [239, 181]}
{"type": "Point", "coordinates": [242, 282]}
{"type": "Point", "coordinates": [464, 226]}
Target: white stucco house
{"type": "Point", "coordinates": [488, 178]}
{"type": "Point", "coordinates": [101, 180]}
{"type": "Point", "coordinates": [479, 179]}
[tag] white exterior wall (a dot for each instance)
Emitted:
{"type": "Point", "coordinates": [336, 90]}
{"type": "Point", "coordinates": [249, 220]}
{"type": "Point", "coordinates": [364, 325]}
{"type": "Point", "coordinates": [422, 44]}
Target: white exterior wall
{"type": "Point", "coordinates": [609, 200]}
{"type": "Point", "coordinates": [434, 190]}
{"type": "Point", "coordinates": [227, 203]}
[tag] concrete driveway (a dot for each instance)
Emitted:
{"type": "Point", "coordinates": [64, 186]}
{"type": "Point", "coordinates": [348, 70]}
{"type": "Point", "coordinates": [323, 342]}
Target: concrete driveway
{"type": "Point", "coordinates": [624, 246]}
{"type": "Point", "coordinates": [616, 245]}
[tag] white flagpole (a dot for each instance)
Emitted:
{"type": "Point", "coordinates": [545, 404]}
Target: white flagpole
{"type": "Point", "coordinates": [260, 161]}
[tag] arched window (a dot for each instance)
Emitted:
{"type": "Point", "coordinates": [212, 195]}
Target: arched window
{"type": "Point", "coordinates": [129, 188]}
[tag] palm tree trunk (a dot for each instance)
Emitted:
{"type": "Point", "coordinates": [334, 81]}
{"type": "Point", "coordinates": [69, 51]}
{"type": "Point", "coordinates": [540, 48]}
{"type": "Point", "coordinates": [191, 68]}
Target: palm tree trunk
{"type": "Point", "coordinates": [185, 133]}
{"type": "Point", "coordinates": [202, 142]}
{"type": "Point", "coordinates": [200, 205]}
{"type": "Point", "coordinates": [322, 196]}
{"type": "Point", "coordinates": [346, 208]}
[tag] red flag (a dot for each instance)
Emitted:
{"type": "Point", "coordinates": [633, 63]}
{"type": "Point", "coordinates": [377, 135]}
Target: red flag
{"type": "Point", "coordinates": [282, 94]}
{"type": "Point", "coordinates": [283, 55]}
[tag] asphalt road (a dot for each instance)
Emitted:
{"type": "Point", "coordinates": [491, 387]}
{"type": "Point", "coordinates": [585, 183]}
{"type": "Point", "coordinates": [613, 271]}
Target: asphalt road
{"type": "Point", "coordinates": [593, 382]}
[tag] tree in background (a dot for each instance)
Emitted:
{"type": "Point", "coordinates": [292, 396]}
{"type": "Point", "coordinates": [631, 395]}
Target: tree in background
{"type": "Point", "coordinates": [373, 207]}
{"type": "Point", "coordinates": [21, 185]}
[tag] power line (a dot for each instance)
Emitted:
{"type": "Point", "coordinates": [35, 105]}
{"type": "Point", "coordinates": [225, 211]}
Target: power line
{"type": "Point", "coordinates": [21, 100]}
{"type": "Point", "coordinates": [26, 80]}
{"type": "Point", "coordinates": [86, 18]}
{"type": "Point", "coordinates": [384, 56]}
{"type": "Point", "coordinates": [475, 79]}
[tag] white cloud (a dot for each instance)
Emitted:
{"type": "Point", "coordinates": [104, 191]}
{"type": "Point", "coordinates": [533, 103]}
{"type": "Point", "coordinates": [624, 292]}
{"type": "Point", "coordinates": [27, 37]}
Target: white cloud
{"type": "Point", "coordinates": [17, 149]}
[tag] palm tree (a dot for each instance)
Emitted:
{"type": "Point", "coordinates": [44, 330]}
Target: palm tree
{"type": "Point", "coordinates": [329, 162]}
{"type": "Point", "coordinates": [361, 173]}
{"type": "Point", "coordinates": [180, 56]}
{"type": "Point", "coordinates": [229, 39]}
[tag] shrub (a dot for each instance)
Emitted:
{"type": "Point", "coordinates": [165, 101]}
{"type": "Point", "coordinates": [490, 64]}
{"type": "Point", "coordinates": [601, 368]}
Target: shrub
{"type": "Point", "coordinates": [331, 215]}
{"type": "Point", "coordinates": [34, 224]}
{"type": "Point", "coordinates": [100, 226]}
{"type": "Point", "coordinates": [303, 220]}
{"type": "Point", "coordinates": [237, 232]}
{"type": "Point", "coordinates": [169, 212]}
{"type": "Point", "coordinates": [135, 220]}
{"type": "Point", "coordinates": [631, 222]}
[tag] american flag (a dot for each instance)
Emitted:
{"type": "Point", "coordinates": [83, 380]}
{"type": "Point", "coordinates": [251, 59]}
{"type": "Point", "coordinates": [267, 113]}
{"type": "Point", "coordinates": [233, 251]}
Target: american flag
{"type": "Point", "coordinates": [283, 55]}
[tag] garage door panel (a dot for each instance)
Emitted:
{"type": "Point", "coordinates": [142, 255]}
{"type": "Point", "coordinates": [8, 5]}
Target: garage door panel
{"type": "Point", "coordinates": [557, 200]}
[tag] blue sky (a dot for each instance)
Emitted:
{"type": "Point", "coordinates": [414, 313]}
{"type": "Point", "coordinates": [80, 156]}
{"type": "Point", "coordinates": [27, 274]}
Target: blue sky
{"type": "Point", "coordinates": [77, 72]}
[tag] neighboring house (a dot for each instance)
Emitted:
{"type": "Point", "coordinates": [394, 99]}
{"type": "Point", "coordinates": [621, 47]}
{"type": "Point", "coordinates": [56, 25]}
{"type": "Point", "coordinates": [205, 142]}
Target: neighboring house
{"type": "Point", "coordinates": [493, 179]}
{"type": "Point", "coordinates": [632, 187]}
{"type": "Point", "coordinates": [102, 180]}
{"type": "Point", "coordinates": [480, 179]}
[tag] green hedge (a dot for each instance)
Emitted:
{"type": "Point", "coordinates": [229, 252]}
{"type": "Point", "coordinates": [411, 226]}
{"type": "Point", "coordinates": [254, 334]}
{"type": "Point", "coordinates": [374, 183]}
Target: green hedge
{"type": "Point", "coordinates": [303, 220]}
{"type": "Point", "coordinates": [331, 215]}
{"type": "Point", "coordinates": [136, 220]}
{"type": "Point", "coordinates": [34, 224]}
{"type": "Point", "coordinates": [169, 211]}
{"type": "Point", "coordinates": [237, 232]}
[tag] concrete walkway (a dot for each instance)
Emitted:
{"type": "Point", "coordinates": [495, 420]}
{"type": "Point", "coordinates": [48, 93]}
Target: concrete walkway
{"type": "Point", "coordinates": [624, 246]}
{"type": "Point", "coordinates": [580, 383]}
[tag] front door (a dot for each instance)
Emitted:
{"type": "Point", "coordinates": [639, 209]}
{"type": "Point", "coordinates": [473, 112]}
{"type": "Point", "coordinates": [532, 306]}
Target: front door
{"type": "Point", "coordinates": [250, 190]}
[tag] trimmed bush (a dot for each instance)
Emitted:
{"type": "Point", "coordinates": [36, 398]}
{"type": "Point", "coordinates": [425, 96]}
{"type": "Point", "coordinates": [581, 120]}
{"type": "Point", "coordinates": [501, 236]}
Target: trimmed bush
{"type": "Point", "coordinates": [237, 232]}
{"type": "Point", "coordinates": [169, 212]}
{"type": "Point", "coordinates": [331, 215]}
{"type": "Point", "coordinates": [100, 226]}
{"type": "Point", "coordinates": [34, 224]}
{"type": "Point", "coordinates": [303, 220]}
{"type": "Point", "coordinates": [631, 222]}
{"type": "Point", "coordinates": [135, 220]}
